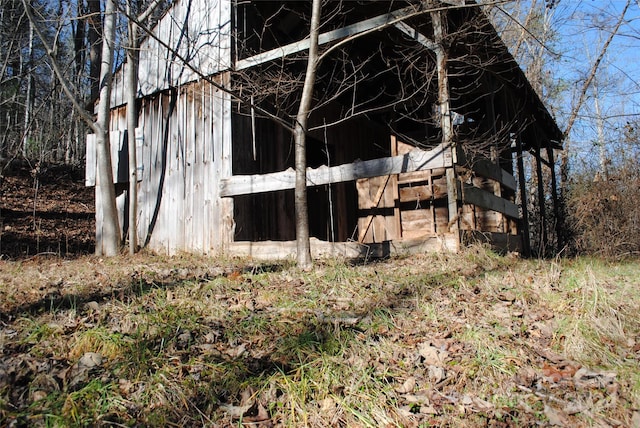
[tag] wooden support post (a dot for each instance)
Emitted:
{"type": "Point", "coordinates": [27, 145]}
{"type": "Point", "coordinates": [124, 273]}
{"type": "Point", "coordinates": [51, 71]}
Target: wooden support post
{"type": "Point", "coordinates": [432, 208]}
{"type": "Point", "coordinates": [495, 158]}
{"type": "Point", "coordinates": [452, 195]}
{"type": "Point", "coordinates": [439, 21]}
{"type": "Point", "coordinates": [497, 188]}
{"type": "Point", "coordinates": [224, 223]}
{"type": "Point", "coordinates": [556, 203]}
{"type": "Point", "coordinates": [395, 192]}
{"type": "Point", "coordinates": [541, 197]}
{"type": "Point", "coordinates": [526, 238]}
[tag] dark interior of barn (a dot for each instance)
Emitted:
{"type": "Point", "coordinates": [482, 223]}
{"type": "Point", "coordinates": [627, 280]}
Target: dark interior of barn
{"type": "Point", "coordinates": [378, 85]}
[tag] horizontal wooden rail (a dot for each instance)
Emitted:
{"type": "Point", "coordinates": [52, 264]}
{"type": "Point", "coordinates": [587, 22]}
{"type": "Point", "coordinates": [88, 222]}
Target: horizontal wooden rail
{"type": "Point", "coordinates": [487, 169]}
{"type": "Point", "coordinates": [375, 23]}
{"type": "Point", "coordinates": [415, 160]}
{"type": "Point", "coordinates": [482, 198]}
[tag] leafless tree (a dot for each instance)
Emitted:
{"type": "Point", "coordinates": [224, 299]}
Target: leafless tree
{"type": "Point", "coordinates": [111, 230]}
{"type": "Point", "coordinates": [582, 93]}
{"type": "Point", "coordinates": [134, 35]}
{"type": "Point", "coordinates": [300, 132]}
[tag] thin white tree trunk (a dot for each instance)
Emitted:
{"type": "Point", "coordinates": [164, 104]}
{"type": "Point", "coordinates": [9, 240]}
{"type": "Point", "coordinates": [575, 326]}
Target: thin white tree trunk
{"type": "Point", "coordinates": [439, 33]}
{"type": "Point", "coordinates": [110, 227]}
{"type": "Point", "coordinates": [28, 97]}
{"type": "Point", "coordinates": [600, 130]}
{"type": "Point", "coordinates": [133, 58]}
{"type": "Point", "coordinates": [303, 245]}
{"type": "Point", "coordinates": [132, 119]}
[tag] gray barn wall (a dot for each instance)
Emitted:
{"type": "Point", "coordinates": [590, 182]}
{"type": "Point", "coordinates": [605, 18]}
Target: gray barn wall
{"type": "Point", "coordinates": [198, 31]}
{"type": "Point", "coordinates": [186, 141]}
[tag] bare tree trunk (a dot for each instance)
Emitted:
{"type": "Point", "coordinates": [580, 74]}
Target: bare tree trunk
{"type": "Point", "coordinates": [132, 119]}
{"type": "Point", "coordinates": [79, 40]}
{"type": "Point", "coordinates": [28, 104]}
{"type": "Point", "coordinates": [439, 33]}
{"type": "Point", "coordinates": [110, 227]}
{"type": "Point", "coordinates": [523, 31]}
{"type": "Point", "coordinates": [133, 58]}
{"type": "Point", "coordinates": [95, 47]}
{"type": "Point", "coordinates": [303, 245]}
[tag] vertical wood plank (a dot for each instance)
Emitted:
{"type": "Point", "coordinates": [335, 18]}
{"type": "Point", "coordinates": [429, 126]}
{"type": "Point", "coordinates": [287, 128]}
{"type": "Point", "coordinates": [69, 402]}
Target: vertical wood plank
{"type": "Point", "coordinates": [226, 206]}
{"type": "Point", "coordinates": [497, 189]}
{"type": "Point", "coordinates": [382, 226]}
{"type": "Point", "coordinates": [397, 220]}
{"type": "Point", "coordinates": [364, 201]}
{"type": "Point", "coordinates": [207, 164]}
{"type": "Point", "coordinates": [543, 215]}
{"type": "Point", "coordinates": [432, 210]}
{"type": "Point", "coordinates": [556, 203]}
{"type": "Point", "coordinates": [452, 203]}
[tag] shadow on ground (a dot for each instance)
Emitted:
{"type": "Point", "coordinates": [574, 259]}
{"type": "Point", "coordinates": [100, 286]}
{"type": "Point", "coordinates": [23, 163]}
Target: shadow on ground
{"type": "Point", "coordinates": [196, 365]}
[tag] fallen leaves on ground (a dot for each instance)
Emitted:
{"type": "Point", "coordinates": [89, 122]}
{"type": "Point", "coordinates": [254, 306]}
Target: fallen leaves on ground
{"type": "Point", "coordinates": [413, 341]}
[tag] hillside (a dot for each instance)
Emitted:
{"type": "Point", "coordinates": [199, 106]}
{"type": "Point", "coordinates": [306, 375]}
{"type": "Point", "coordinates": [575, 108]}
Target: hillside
{"type": "Point", "coordinates": [53, 214]}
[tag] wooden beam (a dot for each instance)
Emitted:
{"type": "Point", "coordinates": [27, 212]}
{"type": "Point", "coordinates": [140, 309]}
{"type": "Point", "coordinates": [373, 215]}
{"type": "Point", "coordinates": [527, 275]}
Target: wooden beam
{"type": "Point", "coordinates": [453, 196]}
{"type": "Point", "coordinates": [536, 153]}
{"type": "Point", "coordinates": [416, 160]}
{"type": "Point", "coordinates": [488, 169]}
{"type": "Point", "coordinates": [497, 240]}
{"type": "Point", "coordinates": [380, 21]}
{"type": "Point", "coordinates": [424, 192]}
{"type": "Point", "coordinates": [476, 196]}
{"type": "Point", "coordinates": [557, 212]}
{"type": "Point", "coordinates": [279, 250]}
{"type": "Point", "coordinates": [541, 206]}
{"type": "Point", "coordinates": [395, 192]}
{"type": "Point", "coordinates": [416, 35]}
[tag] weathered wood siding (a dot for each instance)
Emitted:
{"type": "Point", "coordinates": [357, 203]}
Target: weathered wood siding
{"type": "Point", "coordinates": [195, 31]}
{"type": "Point", "coordinates": [415, 205]}
{"type": "Point", "coordinates": [185, 150]}
{"type": "Point", "coordinates": [423, 201]}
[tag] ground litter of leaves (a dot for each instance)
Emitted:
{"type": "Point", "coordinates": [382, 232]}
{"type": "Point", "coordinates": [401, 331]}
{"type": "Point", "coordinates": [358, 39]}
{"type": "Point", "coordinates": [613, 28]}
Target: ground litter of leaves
{"type": "Point", "coordinates": [45, 209]}
{"type": "Point", "coordinates": [473, 339]}
{"type": "Point", "coordinates": [460, 340]}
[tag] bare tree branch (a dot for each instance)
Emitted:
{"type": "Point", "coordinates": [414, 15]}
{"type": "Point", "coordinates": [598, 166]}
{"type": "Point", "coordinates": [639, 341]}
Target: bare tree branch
{"type": "Point", "coordinates": [593, 71]}
{"type": "Point", "coordinates": [64, 83]}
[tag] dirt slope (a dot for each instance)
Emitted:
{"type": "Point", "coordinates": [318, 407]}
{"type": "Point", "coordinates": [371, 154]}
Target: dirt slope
{"type": "Point", "coordinates": [53, 214]}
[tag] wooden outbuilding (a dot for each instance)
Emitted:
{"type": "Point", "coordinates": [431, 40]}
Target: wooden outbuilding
{"type": "Point", "coordinates": [426, 134]}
